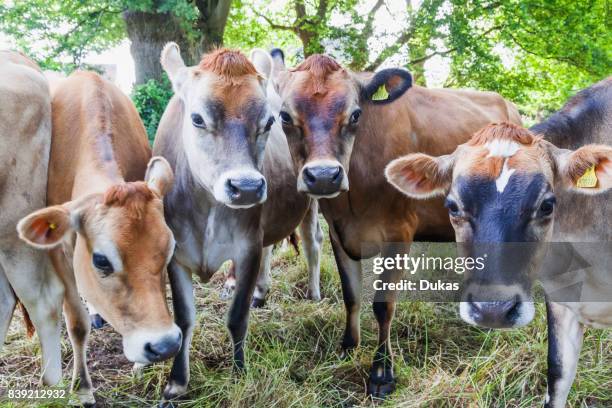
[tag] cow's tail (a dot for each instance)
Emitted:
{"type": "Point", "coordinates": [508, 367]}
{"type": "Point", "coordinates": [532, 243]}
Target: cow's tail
{"type": "Point", "coordinates": [294, 240]}
{"type": "Point", "coordinates": [26, 319]}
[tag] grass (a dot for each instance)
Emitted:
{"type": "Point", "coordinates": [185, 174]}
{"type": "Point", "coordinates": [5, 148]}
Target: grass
{"type": "Point", "coordinates": [293, 356]}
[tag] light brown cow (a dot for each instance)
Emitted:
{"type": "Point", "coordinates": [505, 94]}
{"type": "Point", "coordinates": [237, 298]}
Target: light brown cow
{"type": "Point", "coordinates": [343, 128]}
{"type": "Point", "coordinates": [25, 138]}
{"type": "Point", "coordinates": [105, 231]}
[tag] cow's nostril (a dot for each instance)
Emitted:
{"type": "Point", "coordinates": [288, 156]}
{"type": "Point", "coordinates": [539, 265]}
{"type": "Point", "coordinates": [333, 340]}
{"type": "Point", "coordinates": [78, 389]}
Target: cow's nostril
{"type": "Point", "coordinates": [336, 173]}
{"type": "Point", "coordinates": [309, 177]}
{"type": "Point", "coordinates": [234, 191]}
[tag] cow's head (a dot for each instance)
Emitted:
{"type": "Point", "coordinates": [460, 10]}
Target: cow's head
{"type": "Point", "coordinates": [500, 188]}
{"type": "Point", "coordinates": [226, 123]}
{"type": "Point", "coordinates": [321, 112]}
{"type": "Point", "coordinates": [120, 255]}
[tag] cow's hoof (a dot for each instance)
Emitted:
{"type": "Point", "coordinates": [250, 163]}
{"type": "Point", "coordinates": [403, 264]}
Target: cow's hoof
{"type": "Point", "coordinates": [258, 303]}
{"type": "Point", "coordinates": [315, 297]}
{"type": "Point", "coordinates": [97, 322]}
{"type": "Point", "coordinates": [172, 392]}
{"type": "Point", "coordinates": [346, 353]}
{"type": "Point", "coordinates": [381, 383]}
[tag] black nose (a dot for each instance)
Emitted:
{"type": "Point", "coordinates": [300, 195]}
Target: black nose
{"type": "Point", "coordinates": [246, 191]}
{"type": "Point", "coordinates": [495, 314]}
{"type": "Point", "coordinates": [323, 180]}
{"type": "Point", "coordinates": [163, 349]}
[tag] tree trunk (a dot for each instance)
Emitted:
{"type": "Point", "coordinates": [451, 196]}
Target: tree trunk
{"type": "Point", "coordinates": [211, 23]}
{"type": "Point", "coordinates": [148, 33]}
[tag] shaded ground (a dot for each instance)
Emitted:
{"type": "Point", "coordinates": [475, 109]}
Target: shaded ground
{"type": "Point", "coordinates": [292, 356]}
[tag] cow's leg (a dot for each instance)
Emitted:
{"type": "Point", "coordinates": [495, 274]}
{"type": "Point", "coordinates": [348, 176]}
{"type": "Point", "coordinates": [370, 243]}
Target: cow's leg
{"type": "Point", "coordinates": [184, 316]}
{"type": "Point", "coordinates": [565, 335]}
{"type": "Point", "coordinates": [7, 305]}
{"type": "Point", "coordinates": [97, 321]}
{"type": "Point", "coordinates": [230, 283]}
{"type": "Point", "coordinates": [247, 270]}
{"type": "Point", "coordinates": [78, 326]}
{"type": "Point", "coordinates": [312, 236]}
{"type": "Point", "coordinates": [41, 292]}
{"type": "Point", "coordinates": [350, 278]}
{"type": "Point", "coordinates": [264, 279]}
{"type": "Point", "coordinates": [382, 380]}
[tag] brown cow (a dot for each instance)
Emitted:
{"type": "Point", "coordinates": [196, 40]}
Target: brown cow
{"type": "Point", "coordinates": [343, 128]}
{"type": "Point", "coordinates": [105, 231]}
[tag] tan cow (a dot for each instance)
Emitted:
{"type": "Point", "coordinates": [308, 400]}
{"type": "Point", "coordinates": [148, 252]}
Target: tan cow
{"type": "Point", "coordinates": [25, 136]}
{"type": "Point", "coordinates": [105, 231]}
{"type": "Point", "coordinates": [343, 128]}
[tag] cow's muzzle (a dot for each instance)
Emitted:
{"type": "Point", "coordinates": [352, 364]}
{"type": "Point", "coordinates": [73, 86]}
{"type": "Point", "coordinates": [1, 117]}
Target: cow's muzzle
{"type": "Point", "coordinates": [323, 180]}
{"type": "Point", "coordinates": [148, 346]}
{"type": "Point", "coordinates": [245, 191]}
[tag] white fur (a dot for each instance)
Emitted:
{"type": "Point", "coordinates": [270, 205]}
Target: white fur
{"type": "Point", "coordinates": [504, 177]}
{"type": "Point", "coordinates": [502, 148]}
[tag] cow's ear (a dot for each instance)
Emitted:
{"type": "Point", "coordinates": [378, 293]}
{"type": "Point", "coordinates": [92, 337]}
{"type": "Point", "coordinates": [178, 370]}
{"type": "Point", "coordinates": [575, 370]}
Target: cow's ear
{"type": "Point", "coordinates": [159, 176]}
{"type": "Point", "coordinates": [386, 86]}
{"type": "Point", "coordinates": [173, 64]}
{"type": "Point", "coordinates": [421, 176]}
{"type": "Point", "coordinates": [46, 228]}
{"type": "Point", "coordinates": [587, 170]}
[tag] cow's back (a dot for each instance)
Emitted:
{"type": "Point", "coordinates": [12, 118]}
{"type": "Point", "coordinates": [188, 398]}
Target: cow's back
{"type": "Point", "coordinates": [94, 125]}
{"type": "Point", "coordinates": [25, 136]}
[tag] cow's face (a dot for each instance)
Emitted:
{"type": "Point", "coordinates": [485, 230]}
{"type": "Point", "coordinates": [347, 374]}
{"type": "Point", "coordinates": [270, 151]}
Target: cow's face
{"type": "Point", "coordinates": [122, 248]}
{"type": "Point", "coordinates": [320, 114]}
{"type": "Point", "coordinates": [500, 189]}
{"type": "Point", "coordinates": [226, 122]}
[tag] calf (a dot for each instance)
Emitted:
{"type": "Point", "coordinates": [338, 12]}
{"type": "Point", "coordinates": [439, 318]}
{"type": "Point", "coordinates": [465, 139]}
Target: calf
{"type": "Point", "coordinates": [234, 192]}
{"type": "Point", "coordinates": [104, 230]}
{"type": "Point", "coordinates": [25, 137]}
{"type": "Point", "coordinates": [508, 185]}
{"type": "Point", "coordinates": [343, 128]}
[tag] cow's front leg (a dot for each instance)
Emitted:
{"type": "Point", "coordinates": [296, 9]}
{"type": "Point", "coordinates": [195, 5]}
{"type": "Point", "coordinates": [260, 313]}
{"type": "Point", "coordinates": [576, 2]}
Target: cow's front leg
{"type": "Point", "coordinates": [350, 278]}
{"type": "Point", "coordinates": [184, 315]}
{"type": "Point", "coordinates": [247, 270]}
{"type": "Point", "coordinates": [78, 325]}
{"type": "Point", "coordinates": [312, 237]}
{"type": "Point", "coordinates": [7, 305]}
{"type": "Point", "coordinates": [565, 335]}
{"type": "Point", "coordinates": [382, 380]}
{"type": "Point", "coordinates": [264, 279]}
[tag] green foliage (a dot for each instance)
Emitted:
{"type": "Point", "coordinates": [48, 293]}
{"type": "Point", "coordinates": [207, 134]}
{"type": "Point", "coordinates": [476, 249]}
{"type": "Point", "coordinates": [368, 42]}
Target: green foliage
{"type": "Point", "coordinates": [151, 99]}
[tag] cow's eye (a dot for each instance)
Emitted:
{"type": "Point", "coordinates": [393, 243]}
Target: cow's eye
{"type": "Point", "coordinates": [269, 124]}
{"type": "Point", "coordinates": [286, 118]}
{"type": "Point", "coordinates": [102, 263]}
{"type": "Point", "coordinates": [198, 121]}
{"type": "Point", "coordinates": [453, 208]}
{"type": "Point", "coordinates": [355, 116]}
{"type": "Point", "coordinates": [547, 207]}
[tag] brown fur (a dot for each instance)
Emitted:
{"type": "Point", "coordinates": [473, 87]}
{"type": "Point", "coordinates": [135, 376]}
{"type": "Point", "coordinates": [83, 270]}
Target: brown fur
{"type": "Point", "coordinates": [320, 67]}
{"type": "Point", "coordinates": [26, 319]}
{"type": "Point", "coordinates": [133, 196]}
{"type": "Point", "coordinates": [228, 64]}
{"type": "Point", "coordinates": [503, 131]}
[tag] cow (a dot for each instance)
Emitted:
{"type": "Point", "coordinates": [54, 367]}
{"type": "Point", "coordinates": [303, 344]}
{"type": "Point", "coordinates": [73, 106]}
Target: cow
{"type": "Point", "coordinates": [104, 229]}
{"type": "Point", "coordinates": [509, 184]}
{"type": "Point", "coordinates": [234, 193]}
{"type": "Point", "coordinates": [342, 129]}
{"type": "Point", "coordinates": [25, 274]}
{"type": "Point", "coordinates": [311, 233]}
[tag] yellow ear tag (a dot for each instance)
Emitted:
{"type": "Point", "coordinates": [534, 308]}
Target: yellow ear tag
{"type": "Point", "coordinates": [381, 94]}
{"type": "Point", "coordinates": [52, 226]}
{"type": "Point", "coordinates": [588, 179]}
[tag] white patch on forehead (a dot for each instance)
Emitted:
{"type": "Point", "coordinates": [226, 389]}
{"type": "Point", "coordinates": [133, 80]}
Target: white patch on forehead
{"type": "Point", "coordinates": [504, 177]}
{"type": "Point", "coordinates": [502, 148]}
